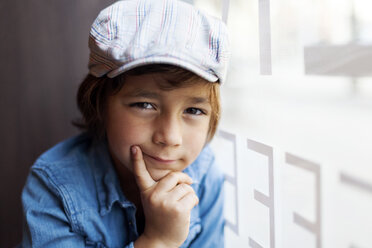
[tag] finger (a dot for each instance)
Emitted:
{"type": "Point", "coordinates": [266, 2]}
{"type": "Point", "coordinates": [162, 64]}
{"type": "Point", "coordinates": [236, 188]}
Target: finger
{"type": "Point", "coordinates": [189, 201]}
{"type": "Point", "coordinates": [171, 180]}
{"type": "Point", "coordinates": [180, 191]}
{"type": "Point", "coordinates": [143, 177]}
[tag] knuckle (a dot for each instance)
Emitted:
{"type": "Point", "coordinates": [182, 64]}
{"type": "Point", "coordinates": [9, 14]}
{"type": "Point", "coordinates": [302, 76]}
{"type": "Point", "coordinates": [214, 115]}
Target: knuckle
{"type": "Point", "coordinates": [167, 205]}
{"type": "Point", "coordinates": [196, 199]}
{"type": "Point", "coordinates": [178, 209]}
{"type": "Point", "coordinates": [186, 188]}
{"type": "Point", "coordinates": [182, 186]}
{"type": "Point", "coordinates": [193, 199]}
{"type": "Point", "coordinates": [190, 188]}
{"type": "Point", "coordinates": [164, 204]}
{"type": "Point", "coordinates": [173, 175]}
{"type": "Point", "coordinates": [170, 176]}
{"type": "Point", "coordinates": [153, 199]}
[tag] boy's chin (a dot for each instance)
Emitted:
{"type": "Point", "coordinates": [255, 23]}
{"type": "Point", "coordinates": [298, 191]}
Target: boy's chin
{"type": "Point", "coordinates": [158, 174]}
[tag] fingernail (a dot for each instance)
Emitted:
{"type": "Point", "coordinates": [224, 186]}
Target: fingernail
{"type": "Point", "coordinates": [133, 150]}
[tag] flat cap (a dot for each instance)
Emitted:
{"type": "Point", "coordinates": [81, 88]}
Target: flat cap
{"type": "Point", "coordinates": [132, 33]}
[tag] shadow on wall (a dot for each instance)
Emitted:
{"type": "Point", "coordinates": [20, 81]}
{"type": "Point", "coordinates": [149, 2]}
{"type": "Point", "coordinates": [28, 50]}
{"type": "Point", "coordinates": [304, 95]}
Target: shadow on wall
{"type": "Point", "coordinates": [44, 56]}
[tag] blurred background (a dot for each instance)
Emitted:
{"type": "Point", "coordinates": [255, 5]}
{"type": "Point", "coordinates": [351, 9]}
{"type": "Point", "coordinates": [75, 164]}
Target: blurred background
{"type": "Point", "coordinates": [296, 128]}
{"type": "Point", "coordinates": [295, 138]}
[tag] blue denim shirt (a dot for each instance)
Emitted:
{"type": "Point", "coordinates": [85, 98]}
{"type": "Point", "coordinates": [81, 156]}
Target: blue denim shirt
{"type": "Point", "coordinates": [72, 198]}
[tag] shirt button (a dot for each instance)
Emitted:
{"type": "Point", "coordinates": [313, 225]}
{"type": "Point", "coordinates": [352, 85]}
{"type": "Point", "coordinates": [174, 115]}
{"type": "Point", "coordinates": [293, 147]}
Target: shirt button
{"type": "Point", "coordinates": [130, 223]}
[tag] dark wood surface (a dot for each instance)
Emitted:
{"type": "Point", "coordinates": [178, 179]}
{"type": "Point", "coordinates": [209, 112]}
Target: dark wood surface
{"type": "Point", "coordinates": [43, 58]}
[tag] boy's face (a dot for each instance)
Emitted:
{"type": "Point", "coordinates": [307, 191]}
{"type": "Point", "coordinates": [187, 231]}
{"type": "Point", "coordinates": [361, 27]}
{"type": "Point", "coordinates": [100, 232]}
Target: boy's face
{"type": "Point", "coordinates": [170, 126]}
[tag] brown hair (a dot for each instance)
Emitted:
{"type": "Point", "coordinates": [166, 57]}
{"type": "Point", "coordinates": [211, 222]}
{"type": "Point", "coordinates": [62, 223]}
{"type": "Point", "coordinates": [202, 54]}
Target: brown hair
{"type": "Point", "coordinates": [93, 92]}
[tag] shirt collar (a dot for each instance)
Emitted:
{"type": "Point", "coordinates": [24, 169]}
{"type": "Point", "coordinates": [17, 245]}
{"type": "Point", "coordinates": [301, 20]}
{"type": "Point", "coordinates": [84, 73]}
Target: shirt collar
{"type": "Point", "coordinates": [106, 179]}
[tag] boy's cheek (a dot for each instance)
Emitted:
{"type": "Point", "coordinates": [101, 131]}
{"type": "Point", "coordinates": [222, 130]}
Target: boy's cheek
{"type": "Point", "coordinates": [120, 153]}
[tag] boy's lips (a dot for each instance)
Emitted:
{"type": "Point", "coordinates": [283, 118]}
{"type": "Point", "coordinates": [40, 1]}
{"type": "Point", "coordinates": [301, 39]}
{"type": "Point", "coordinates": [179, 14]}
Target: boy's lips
{"type": "Point", "coordinates": [160, 160]}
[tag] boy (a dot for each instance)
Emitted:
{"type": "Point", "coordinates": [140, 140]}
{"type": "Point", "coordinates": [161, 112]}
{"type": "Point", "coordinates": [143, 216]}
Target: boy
{"type": "Point", "coordinates": [141, 175]}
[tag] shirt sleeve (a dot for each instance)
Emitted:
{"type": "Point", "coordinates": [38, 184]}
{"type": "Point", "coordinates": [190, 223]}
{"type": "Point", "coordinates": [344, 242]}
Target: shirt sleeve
{"type": "Point", "coordinates": [45, 221]}
{"type": "Point", "coordinates": [211, 210]}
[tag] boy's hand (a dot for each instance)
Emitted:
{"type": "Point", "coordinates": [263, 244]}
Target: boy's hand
{"type": "Point", "coordinates": [167, 204]}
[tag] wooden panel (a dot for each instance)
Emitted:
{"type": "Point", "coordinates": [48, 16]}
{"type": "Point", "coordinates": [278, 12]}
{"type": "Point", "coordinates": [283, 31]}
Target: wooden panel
{"type": "Point", "coordinates": [44, 56]}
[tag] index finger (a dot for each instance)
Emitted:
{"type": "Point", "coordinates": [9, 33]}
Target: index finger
{"type": "Point", "coordinates": [143, 177]}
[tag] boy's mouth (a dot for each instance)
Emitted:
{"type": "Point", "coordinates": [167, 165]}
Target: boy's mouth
{"type": "Point", "coordinates": [159, 159]}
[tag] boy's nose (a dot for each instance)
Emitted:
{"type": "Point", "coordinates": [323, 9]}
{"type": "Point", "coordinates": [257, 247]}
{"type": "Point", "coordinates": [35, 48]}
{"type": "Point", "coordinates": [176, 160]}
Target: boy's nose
{"type": "Point", "coordinates": [168, 131]}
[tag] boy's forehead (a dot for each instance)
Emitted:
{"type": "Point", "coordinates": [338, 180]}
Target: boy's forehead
{"type": "Point", "coordinates": [153, 86]}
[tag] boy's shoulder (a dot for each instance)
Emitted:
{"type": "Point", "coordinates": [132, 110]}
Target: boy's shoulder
{"type": "Point", "coordinates": [69, 171]}
{"type": "Point", "coordinates": [71, 149]}
{"type": "Point", "coordinates": [67, 162]}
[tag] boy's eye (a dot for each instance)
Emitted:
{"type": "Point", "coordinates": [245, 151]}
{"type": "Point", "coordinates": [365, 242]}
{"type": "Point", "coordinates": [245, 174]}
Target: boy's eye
{"type": "Point", "coordinates": [142, 105]}
{"type": "Point", "coordinates": [194, 111]}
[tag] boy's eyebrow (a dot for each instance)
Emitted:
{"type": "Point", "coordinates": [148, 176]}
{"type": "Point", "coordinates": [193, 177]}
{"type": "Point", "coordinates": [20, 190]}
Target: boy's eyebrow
{"type": "Point", "coordinates": [196, 100]}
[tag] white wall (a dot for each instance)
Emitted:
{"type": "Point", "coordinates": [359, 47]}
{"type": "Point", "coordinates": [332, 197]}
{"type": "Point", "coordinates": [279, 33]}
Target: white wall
{"type": "Point", "coordinates": [295, 138]}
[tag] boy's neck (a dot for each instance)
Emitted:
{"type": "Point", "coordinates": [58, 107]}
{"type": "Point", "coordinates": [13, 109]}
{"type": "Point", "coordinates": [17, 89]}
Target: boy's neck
{"type": "Point", "coordinates": [131, 191]}
{"type": "Point", "coordinates": [128, 183]}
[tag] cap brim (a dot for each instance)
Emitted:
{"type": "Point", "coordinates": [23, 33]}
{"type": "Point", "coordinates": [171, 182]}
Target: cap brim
{"type": "Point", "coordinates": [163, 60]}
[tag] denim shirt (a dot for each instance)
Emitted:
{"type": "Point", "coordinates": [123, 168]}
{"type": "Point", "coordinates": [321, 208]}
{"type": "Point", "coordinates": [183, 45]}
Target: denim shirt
{"type": "Point", "coordinates": [72, 198]}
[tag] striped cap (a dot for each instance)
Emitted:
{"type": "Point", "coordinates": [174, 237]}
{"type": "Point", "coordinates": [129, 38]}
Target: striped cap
{"type": "Point", "coordinates": [132, 33]}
